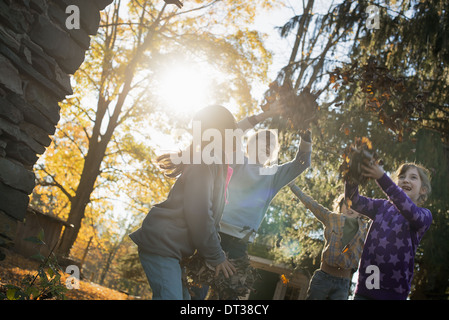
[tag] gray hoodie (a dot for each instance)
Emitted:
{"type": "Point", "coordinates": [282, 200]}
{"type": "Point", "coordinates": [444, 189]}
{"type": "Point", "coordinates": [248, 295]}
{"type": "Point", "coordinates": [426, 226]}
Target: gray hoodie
{"type": "Point", "coordinates": [188, 219]}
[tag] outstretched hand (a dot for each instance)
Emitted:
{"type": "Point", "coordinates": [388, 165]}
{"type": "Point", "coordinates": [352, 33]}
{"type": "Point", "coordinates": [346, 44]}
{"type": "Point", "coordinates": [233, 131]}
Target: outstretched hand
{"type": "Point", "coordinates": [226, 267]}
{"type": "Point", "coordinates": [372, 169]}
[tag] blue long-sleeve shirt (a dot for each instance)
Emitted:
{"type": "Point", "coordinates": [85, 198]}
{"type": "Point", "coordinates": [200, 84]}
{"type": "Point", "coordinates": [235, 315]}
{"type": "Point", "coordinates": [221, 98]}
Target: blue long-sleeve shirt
{"type": "Point", "coordinates": [397, 228]}
{"type": "Point", "coordinates": [252, 189]}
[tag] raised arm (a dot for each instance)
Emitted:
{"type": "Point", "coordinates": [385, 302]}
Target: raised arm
{"type": "Point", "coordinates": [290, 170]}
{"type": "Point", "coordinates": [320, 212]}
{"type": "Point", "coordinates": [419, 218]}
{"type": "Point", "coordinates": [251, 121]}
{"type": "Point", "coordinates": [366, 206]}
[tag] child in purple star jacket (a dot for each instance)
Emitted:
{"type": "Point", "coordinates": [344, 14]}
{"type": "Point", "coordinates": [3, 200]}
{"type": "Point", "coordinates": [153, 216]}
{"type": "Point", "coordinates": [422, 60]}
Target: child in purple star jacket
{"type": "Point", "coordinates": [387, 262]}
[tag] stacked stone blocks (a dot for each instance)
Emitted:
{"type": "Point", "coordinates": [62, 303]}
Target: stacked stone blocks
{"type": "Point", "coordinates": [38, 53]}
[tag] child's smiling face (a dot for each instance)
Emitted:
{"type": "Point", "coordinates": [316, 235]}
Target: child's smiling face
{"type": "Point", "coordinates": [410, 182]}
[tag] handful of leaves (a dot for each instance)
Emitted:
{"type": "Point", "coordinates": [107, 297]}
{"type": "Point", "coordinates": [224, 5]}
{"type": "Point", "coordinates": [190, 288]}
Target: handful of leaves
{"type": "Point", "coordinates": [300, 110]}
{"type": "Point", "coordinates": [199, 273]}
{"type": "Point", "coordinates": [353, 157]}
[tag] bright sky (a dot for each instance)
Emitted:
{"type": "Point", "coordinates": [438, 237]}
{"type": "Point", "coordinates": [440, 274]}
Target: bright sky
{"type": "Point", "coordinates": [186, 78]}
{"type": "Point", "coordinates": [180, 85]}
{"type": "Point", "coordinates": [189, 95]}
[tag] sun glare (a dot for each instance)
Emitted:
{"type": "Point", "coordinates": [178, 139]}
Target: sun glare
{"type": "Point", "coordinates": [185, 88]}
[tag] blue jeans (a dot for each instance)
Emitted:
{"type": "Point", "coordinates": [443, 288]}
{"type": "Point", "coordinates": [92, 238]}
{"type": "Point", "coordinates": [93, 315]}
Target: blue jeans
{"type": "Point", "coordinates": [165, 277]}
{"type": "Point", "coordinates": [359, 297]}
{"type": "Point", "coordinates": [323, 286]}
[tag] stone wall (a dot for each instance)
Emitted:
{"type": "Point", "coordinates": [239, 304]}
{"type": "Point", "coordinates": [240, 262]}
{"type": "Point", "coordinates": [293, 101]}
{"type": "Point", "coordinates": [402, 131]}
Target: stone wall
{"type": "Point", "coordinates": [38, 53]}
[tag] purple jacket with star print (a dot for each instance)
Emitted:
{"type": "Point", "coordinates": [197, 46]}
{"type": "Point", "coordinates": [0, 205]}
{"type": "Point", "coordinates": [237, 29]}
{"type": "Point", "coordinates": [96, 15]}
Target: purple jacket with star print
{"type": "Point", "coordinates": [397, 228]}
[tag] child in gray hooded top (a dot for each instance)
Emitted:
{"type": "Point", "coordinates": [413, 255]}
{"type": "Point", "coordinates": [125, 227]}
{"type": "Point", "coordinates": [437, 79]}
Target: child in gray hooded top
{"type": "Point", "coordinates": [188, 219]}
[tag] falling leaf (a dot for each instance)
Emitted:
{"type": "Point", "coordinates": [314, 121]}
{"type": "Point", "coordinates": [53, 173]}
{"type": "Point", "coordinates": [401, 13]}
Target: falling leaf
{"type": "Point", "coordinates": [366, 141]}
{"type": "Point", "coordinates": [347, 131]}
{"type": "Point", "coordinates": [348, 203]}
{"type": "Point", "coordinates": [284, 279]}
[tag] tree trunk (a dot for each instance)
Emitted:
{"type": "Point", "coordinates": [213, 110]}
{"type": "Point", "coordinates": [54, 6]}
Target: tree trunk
{"type": "Point", "coordinates": [91, 171]}
{"type": "Point", "coordinates": [83, 259]}
{"type": "Point", "coordinates": [108, 264]}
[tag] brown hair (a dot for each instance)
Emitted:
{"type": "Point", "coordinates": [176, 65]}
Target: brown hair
{"type": "Point", "coordinates": [424, 175]}
{"type": "Point", "coordinates": [214, 116]}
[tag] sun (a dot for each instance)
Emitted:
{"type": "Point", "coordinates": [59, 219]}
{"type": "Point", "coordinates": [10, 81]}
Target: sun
{"type": "Point", "coordinates": [185, 88]}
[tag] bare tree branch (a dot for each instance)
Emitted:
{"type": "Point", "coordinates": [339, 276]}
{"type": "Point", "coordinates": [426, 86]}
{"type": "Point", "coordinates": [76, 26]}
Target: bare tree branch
{"type": "Point", "coordinates": [54, 183]}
